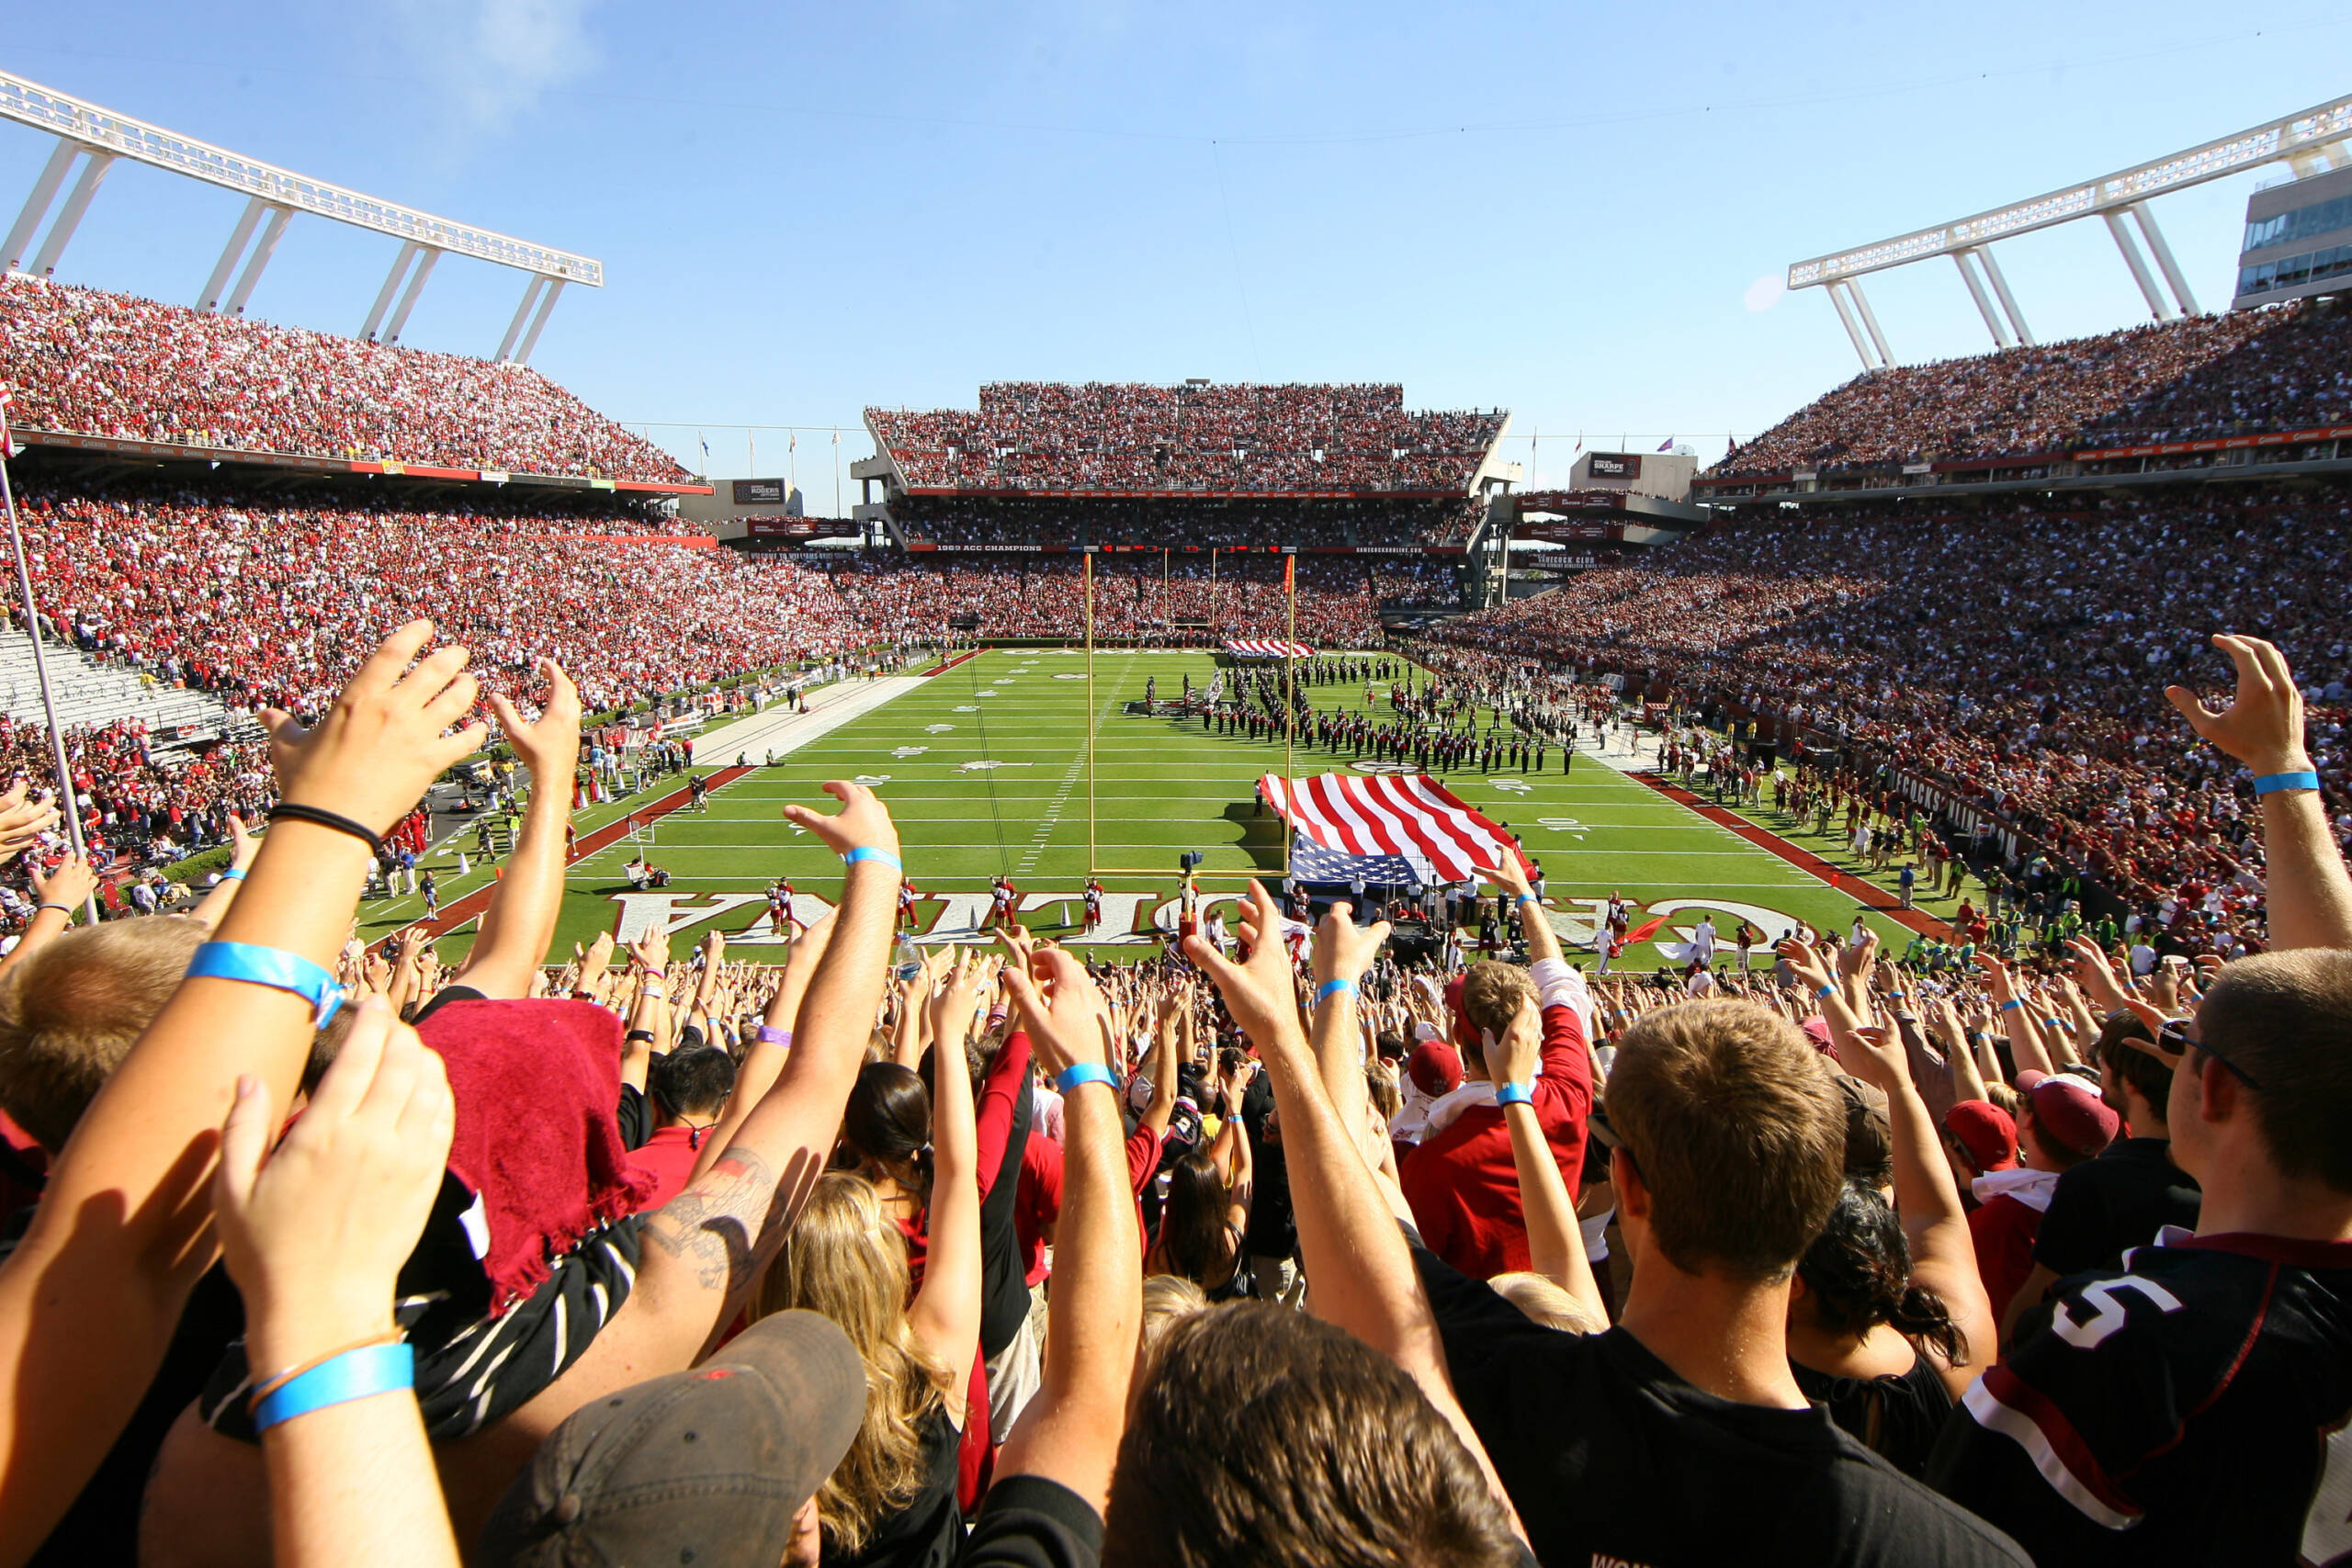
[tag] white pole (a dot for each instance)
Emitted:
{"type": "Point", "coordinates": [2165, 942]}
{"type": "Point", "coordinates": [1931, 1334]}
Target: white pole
{"type": "Point", "coordinates": [67, 796]}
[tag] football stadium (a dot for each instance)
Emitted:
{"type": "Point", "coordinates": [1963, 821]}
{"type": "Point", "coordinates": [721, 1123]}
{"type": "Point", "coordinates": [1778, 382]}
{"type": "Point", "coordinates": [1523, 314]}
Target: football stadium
{"type": "Point", "coordinates": [1246, 969]}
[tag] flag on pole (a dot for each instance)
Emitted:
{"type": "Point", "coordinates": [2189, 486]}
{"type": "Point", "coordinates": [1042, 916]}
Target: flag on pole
{"type": "Point", "coordinates": [1666, 445]}
{"type": "Point", "coordinates": [1645, 930]}
{"type": "Point", "coordinates": [7, 441]}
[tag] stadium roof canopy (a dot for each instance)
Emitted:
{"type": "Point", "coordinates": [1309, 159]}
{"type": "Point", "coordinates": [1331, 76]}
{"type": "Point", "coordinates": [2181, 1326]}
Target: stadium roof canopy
{"type": "Point", "coordinates": [2313, 142]}
{"type": "Point", "coordinates": [97, 137]}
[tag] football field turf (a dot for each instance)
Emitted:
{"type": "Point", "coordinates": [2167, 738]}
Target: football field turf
{"type": "Point", "coordinates": [984, 768]}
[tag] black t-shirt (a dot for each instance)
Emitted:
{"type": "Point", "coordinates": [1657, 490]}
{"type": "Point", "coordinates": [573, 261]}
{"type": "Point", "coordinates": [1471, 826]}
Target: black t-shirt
{"type": "Point", "coordinates": [442, 998]}
{"type": "Point", "coordinates": [635, 1117]}
{"type": "Point", "coordinates": [2193, 1410]}
{"type": "Point", "coordinates": [1273, 1227]}
{"type": "Point", "coordinates": [927, 1532]}
{"type": "Point", "coordinates": [1897, 1419]}
{"type": "Point", "coordinates": [1028, 1521]}
{"type": "Point", "coordinates": [1004, 1283]}
{"type": "Point", "coordinates": [2119, 1200]}
{"type": "Point", "coordinates": [1610, 1458]}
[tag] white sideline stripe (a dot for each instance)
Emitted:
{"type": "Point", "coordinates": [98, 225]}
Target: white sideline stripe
{"type": "Point", "coordinates": [783, 731]}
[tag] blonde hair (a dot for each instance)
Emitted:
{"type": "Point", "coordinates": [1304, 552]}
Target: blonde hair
{"type": "Point", "coordinates": [845, 1259]}
{"type": "Point", "coordinates": [71, 1011]}
{"type": "Point", "coordinates": [1168, 1300]}
{"type": "Point", "coordinates": [1542, 1301]}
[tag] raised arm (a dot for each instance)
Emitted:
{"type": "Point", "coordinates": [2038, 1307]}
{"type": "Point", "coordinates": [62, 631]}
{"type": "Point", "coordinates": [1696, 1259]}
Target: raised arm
{"type": "Point", "coordinates": [1509, 873]}
{"type": "Point", "coordinates": [64, 889]}
{"type": "Point", "coordinates": [314, 1239]}
{"type": "Point", "coordinates": [1935, 1222]}
{"type": "Point", "coordinates": [765, 1059]}
{"type": "Point", "coordinates": [1555, 1239]}
{"type": "Point", "coordinates": [245, 845]}
{"type": "Point", "coordinates": [946, 1311]}
{"type": "Point", "coordinates": [1071, 1432]}
{"type": "Point", "coordinates": [1347, 1236]}
{"type": "Point", "coordinates": [122, 1232]}
{"type": "Point", "coordinates": [520, 922]}
{"type": "Point", "coordinates": [2016, 1015]}
{"type": "Point", "coordinates": [2310, 899]}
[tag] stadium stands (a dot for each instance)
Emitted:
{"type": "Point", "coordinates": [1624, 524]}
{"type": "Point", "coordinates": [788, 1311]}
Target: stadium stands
{"type": "Point", "coordinates": [1383, 522]}
{"type": "Point", "coordinates": [1130, 437]}
{"type": "Point", "coordinates": [266, 600]}
{"type": "Point", "coordinates": [2017, 658]}
{"type": "Point", "coordinates": [1044, 596]}
{"type": "Point", "coordinates": [97, 363]}
{"type": "Point", "coordinates": [2200, 376]}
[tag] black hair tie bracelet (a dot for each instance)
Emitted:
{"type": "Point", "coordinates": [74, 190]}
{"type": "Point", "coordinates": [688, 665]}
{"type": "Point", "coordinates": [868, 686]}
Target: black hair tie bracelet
{"type": "Point", "coordinates": [315, 814]}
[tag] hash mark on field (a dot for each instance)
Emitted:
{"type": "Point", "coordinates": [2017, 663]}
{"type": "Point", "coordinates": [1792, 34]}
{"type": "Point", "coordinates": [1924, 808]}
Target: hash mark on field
{"type": "Point", "coordinates": [1049, 818]}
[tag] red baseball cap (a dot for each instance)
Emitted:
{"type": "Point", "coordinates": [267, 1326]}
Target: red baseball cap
{"type": "Point", "coordinates": [1435, 1068]}
{"type": "Point", "coordinates": [2071, 1113]}
{"type": "Point", "coordinates": [1986, 1132]}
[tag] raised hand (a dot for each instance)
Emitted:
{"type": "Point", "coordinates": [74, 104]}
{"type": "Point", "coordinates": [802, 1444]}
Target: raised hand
{"type": "Point", "coordinates": [1341, 950]}
{"type": "Point", "coordinates": [23, 817]}
{"type": "Point", "coordinates": [2263, 726]}
{"type": "Point", "coordinates": [1061, 1009]}
{"type": "Point", "coordinates": [1260, 994]}
{"type": "Point", "coordinates": [315, 1237]}
{"type": "Point", "coordinates": [549, 747]}
{"type": "Point", "coordinates": [69, 881]}
{"type": "Point", "coordinates": [372, 753]}
{"type": "Point", "coordinates": [863, 822]}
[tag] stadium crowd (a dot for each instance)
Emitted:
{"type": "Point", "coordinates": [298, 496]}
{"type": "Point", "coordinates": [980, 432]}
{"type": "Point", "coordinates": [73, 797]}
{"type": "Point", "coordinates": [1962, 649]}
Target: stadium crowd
{"type": "Point", "coordinates": [268, 600]}
{"type": "Point", "coordinates": [1130, 436]}
{"type": "Point", "coordinates": [99, 363]}
{"type": "Point", "coordinates": [1273, 1250]}
{"type": "Point", "coordinates": [2195, 377]}
{"type": "Point", "coordinates": [2015, 659]}
{"type": "Point", "coordinates": [928, 597]}
{"type": "Point", "coordinates": [1160, 521]}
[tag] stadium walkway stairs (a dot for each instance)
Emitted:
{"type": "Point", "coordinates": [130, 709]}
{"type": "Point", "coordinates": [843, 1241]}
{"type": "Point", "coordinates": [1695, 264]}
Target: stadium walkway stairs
{"type": "Point", "coordinates": [89, 693]}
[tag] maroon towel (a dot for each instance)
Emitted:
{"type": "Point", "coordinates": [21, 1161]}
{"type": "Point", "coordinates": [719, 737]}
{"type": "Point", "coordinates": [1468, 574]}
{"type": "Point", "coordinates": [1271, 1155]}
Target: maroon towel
{"type": "Point", "coordinates": [537, 1086]}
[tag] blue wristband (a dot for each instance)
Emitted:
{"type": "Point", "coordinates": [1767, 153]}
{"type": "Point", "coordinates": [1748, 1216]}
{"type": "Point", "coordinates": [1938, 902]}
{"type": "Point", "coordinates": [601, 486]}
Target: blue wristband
{"type": "Point", "coordinates": [1514, 1094]}
{"type": "Point", "coordinates": [273, 967]}
{"type": "Point", "coordinates": [1527, 898]}
{"type": "Point", "coordinates": [1084, 1073]}
{"type": "Point", "coordinates": [234, 874]}
{"type": "Point", "coordinates": [1330, 988]}
{"type": "Point", "coordinates": [2012, 1004]}
{"type": "Point", "coordinates": [355, 1374]}
{"type": "Point", "coordinates": [1825, 991]}
{"type": "Point", "coordinates": [868, 852]}
{"type": "Point", "coordinates": [2271, 784]}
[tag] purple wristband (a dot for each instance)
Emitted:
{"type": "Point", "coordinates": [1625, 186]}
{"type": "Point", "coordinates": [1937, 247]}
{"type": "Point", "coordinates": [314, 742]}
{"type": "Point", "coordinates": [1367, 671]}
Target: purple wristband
{"type": "Point", "coordinates": [769, 1035]}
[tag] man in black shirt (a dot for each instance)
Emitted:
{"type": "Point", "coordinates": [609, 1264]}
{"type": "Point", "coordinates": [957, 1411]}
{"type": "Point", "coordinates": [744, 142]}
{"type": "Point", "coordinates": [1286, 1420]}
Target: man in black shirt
{"type": "Point", "coordinates": [2133, 1189]}
{"type": "Point", "coordinates": [1680, 1436]}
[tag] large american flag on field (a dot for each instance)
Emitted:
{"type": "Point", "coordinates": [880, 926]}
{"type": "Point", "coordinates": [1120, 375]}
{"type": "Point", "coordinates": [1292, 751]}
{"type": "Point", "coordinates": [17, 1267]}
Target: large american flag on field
{"type": "Point", "coordinates": [1261, 648]}
{"type": "Point", "coordinates": [1408, 816]}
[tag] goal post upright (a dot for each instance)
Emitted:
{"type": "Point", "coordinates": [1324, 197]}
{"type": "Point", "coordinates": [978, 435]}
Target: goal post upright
{"type": "Point", "coordinates": [1093, 854]}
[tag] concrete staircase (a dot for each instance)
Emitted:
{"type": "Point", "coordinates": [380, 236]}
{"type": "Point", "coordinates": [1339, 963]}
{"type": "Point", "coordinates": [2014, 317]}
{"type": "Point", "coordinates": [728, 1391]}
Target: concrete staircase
{"type": "Point", "coordinates": [89, 693]}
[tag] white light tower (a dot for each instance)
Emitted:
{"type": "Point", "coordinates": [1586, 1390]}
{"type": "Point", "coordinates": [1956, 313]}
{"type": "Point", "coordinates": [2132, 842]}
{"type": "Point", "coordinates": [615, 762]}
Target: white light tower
{"type": "Point", "coordinates": [2314, 142]}
{"type": "Point", "coordinates": [95, 138]}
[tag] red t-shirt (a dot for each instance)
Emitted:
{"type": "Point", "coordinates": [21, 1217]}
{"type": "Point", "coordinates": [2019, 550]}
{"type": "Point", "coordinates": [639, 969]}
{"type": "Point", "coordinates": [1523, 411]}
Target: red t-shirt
{"type": "Point", "coordinates": [2003, 1229]}
{"type": "Point", "coordinates": [1039, 1201]}
{"type": "Point", "coordinates": [669, 1157]}
{"type": "Point", "coordinates": [1462, 1182]}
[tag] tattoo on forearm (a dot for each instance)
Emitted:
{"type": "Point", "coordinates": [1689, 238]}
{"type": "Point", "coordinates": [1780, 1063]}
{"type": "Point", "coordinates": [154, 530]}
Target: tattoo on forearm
{"type": "Point", "coordinates": [713, 1225]}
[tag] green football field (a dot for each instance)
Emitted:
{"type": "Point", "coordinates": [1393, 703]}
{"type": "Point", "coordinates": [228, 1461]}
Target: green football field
{"type": "Point", "coordinates": [984, 768]}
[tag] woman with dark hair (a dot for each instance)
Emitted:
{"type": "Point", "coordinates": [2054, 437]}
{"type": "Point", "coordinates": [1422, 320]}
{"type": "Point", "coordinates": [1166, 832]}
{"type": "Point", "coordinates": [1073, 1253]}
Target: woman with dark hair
{"type": "Point", "coordinates": [1867, 1339]}
{"type": "Point", "coordinates": [1205, 1216]}
{"type": "Point", "coordinates": [1886, 1314]}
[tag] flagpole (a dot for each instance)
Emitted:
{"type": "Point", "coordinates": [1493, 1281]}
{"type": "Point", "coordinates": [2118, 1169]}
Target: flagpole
{"type": "Point", "coordinates": [1093, 856]}
{"type": "Point", "coordinates": [66, 794]}
{"type": "Point", "coordinates": [1290, 662]}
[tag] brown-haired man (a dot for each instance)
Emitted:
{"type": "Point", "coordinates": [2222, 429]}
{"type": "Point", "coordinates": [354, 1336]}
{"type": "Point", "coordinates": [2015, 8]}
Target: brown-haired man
{"type": "Point", "coordinates": [1680, 1436]}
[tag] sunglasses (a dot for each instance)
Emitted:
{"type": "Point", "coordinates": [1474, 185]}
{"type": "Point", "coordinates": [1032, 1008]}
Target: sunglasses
{"type": "Point", "coordinates": [2174, 1036]}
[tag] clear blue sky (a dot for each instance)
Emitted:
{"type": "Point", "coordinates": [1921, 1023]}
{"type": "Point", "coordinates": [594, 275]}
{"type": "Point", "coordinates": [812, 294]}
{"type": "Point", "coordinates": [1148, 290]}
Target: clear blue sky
{"type": "Point", "coordinates": [1557, 209]}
